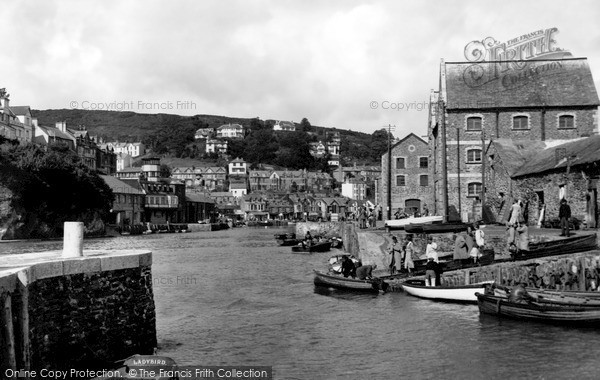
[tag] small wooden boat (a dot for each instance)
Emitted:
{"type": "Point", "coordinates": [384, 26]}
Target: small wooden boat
{"type": "Point", "coordinates": [564, 293]}
{"type": "Point", "coordinates": [339, 282]}
{"type": "Point", "coordinates": [539, 310]}
{"type": "Point", "coordinates": [457, 293]}
{"type": "Point", "coordinates": [400, 224]}
{"type": "Point", "coordinates": [134, 367]}
{"type": "Point", "coordinates": [318, 247]}
{"type": "Point", "coordinates": [435, 228]}
{"type": "Point", "coordinates": [286, 239]}
{"type": "Point", "coordinates": [573, 244]}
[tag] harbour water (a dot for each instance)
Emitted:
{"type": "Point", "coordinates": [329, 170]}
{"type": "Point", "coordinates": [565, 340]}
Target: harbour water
{"type": "Point", "coordinates": [235, 297]}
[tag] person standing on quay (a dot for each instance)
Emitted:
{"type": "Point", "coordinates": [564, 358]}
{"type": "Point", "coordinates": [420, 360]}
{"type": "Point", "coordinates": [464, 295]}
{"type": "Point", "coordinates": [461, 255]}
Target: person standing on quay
{"type": "Point", "coordinates": [564, 213]}
{"type": "Point", "coordinates": [409, 264]}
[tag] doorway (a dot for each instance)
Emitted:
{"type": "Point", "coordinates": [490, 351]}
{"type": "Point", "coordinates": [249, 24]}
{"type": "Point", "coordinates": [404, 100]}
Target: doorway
{"type": "Point", "coordinates": [412, 207]}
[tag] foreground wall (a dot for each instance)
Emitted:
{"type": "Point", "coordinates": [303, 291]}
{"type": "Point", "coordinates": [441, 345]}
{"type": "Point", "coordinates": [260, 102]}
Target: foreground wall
{"type": "Point", "coordinates": [85, 312]}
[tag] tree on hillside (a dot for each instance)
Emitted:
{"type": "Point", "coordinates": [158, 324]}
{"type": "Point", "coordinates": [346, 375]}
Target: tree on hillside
{"type": "Point", "coordinates": [379, 143]}
{"type": "Point", "coordinates": [236, 148]}
{"type": "Point", "coordinates": [294, 151]}
{"type": "Point", "coordinates": [305, 126]}
{"type": "Point", "coordinates": [260, 147]}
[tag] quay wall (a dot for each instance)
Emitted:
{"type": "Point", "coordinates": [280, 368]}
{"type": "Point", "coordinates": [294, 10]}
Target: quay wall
{"type": "Point", "coordinates": [75, 313]}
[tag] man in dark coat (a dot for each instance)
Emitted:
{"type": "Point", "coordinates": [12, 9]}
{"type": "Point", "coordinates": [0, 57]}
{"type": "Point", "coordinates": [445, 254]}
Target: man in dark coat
{"type": "Point", "coordinates": [564, 213]}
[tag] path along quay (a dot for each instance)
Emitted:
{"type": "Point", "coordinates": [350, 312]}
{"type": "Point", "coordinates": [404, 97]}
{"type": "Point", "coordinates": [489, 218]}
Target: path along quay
{"type": "Point", "coordinates": [571, 271]}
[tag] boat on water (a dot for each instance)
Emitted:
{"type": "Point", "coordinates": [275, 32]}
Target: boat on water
{"type": "Point", "coordinates": [400, 224]}
{"type": "Point", "coordinates": [155, 367]}
{"type": "Point", "coordinates": [450, 293]}
{"type": "Point", "coordinates": [565, 296]}
{"type": "Point", "coordinates": [338, 281]}
{"type": "Point", "coordinates": [579, 243]}
{"type": "Point", "coordinates": [435, 228]}
{"type": "Point", "coordinates": [286, 239]}
{"type": "Point", "coordinates": [549, 311]}
{"type": "Point", "coordinates": [317, 247]}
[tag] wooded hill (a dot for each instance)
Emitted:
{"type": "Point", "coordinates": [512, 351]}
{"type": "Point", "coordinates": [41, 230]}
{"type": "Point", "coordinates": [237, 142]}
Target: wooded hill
{"type": "Point", "coordinates": [173, 136]}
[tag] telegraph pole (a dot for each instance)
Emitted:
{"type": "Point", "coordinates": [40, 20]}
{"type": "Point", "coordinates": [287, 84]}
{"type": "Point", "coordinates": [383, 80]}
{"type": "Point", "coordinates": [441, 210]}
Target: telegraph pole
{"type": "Point", "coordinates": [389, 173]}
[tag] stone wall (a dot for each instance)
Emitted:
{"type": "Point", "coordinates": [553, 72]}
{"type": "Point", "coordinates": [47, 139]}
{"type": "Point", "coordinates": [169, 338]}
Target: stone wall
{"type": "Point", "coordinates": [82, 312]}
{"type": "Point", "coordinates": [91, 319]}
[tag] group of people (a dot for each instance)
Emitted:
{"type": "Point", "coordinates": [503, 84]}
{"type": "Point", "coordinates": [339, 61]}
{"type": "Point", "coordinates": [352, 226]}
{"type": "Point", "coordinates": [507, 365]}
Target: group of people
{"type": "Point", "coordinates": [469, 245]}
{"type": "Point", "coordinates": [401, 213]}
{"type": "Point", "coordinates": [362, 272]}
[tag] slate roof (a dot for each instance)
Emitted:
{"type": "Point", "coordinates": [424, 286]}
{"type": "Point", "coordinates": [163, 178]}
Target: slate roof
{"type": "Point", "coordinates": [21, 110]}
{"type": "Point", "coordinates": [558, 82]}
{"type": "Point", "coordinates": [584, 151]}
{"type": "Point", "coordinates": [197, 198]}
{"type": "Point", "coordinates": [515, 153]}
{"type": "Point", "coordinates": [55, 132]}
{"type": "Point", "coordinates": [120, 187]}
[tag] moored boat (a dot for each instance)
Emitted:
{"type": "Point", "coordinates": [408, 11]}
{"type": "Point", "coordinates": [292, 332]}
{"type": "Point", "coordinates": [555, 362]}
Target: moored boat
{"type": "Point", "coordinates": [154, 367]}
{"type": "Point", "coordinates": [339, 282]}
{"type": "Point", "coordinates": [454, 293]}
{"type": "Point", "coordinates": [569, 313]}
{"type": "Point", "coordinates": [286, 239]}
{"type": "Point", "coordinates": [433, 228]}
{"type": "Point", "coordinates": [317, 247]}
{"type": "Point", "coordinates": [573, 244]}
{"type": "Point", "coordinates": [400, 224]}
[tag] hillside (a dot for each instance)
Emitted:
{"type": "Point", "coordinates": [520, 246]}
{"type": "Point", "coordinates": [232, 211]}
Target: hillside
{"type": "Point", "coordinates": [173, 135]}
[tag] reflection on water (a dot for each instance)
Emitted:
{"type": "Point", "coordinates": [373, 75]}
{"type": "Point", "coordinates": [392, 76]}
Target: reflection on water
{"type": "Point", "coordinates": [237, 298]}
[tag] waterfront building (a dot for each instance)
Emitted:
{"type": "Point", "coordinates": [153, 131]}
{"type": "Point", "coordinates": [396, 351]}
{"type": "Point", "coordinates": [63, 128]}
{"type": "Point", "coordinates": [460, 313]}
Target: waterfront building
{"type": "Point", "coordinates": [410, 188]}
{"type": "Point", "coordinates": [165, 201]}
{"type": "Point", "coordinates": [128, 205]}
{"type": "Point", "coordinates": [280, 208]}
{"type": "Point", "coordinates": [232, 131]}
{"type": "Point", "coordinates": [540, 174]}
{"type": "Point", "coordinates": [224, 197]}
{"type": "Point", "coordinates": [106, 160]}
{"type": "Point", "coordinates": [254, 206]}
{"type": "Point", "coordinates": [129, 173]}
{"type": "Point", "coordinates": [332, 208]}
{"type": "Point", "coordinates": [549, 100]}
{"type": "Point", "coordinates": [199, 207]}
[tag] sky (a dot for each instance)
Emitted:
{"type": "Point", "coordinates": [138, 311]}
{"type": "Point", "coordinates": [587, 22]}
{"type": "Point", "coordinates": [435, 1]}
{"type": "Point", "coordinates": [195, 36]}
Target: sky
{"type": "Point", "coordinates": [349, 64]}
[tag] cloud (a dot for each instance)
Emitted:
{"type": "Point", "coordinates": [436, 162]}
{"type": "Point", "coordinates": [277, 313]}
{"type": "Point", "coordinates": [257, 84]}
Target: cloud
{"type": "Point", "coordinates": [326, 61]}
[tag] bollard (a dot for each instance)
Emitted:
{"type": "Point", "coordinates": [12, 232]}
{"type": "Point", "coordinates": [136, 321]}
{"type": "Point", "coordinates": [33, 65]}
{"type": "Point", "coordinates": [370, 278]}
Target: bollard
{"type": "Point", "coordinates": [73, 239]}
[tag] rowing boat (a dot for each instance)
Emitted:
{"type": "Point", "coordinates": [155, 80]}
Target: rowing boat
{"type": "Point", "coordinates": [573, 244]}
{"type": "Point", "coordinates": [400, 224]}
{"type": "Point", "coordinates": [539, 310]}
{"type": "Point", "coordinates": [347, 283]}
{"type": "Point", "coordinates": [318, 247]}
{"type": "Point", "coordinates": [435, 228]}
{"type": "Point", "coordinates": [450, 293]}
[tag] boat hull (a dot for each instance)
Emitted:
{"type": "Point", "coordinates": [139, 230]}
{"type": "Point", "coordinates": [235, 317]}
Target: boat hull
{"type": "Point", "coordinates": [346, 283]}
{"type": "Point", "coordinates": [320, 247]}
{"type": "Point", "coordinates": [400, 224]}
{"type": "Point", "coordinates": [435, 228]}
{"type": "Point", "coordinates": [459, 293]}
{"type": "Point", "coordinates": [558, 247]}
{"type": "Point", "coordinates": [549, 312]}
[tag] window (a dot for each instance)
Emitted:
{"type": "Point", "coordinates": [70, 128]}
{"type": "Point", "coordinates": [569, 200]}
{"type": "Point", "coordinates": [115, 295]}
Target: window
{"type": "Point", "coordinates": [520, 122]}
{"type": "Point", "coordinates": [474, 156]}
{"type": "Point", "coordinates": [400, 163]}
{"type": "Point", "coordinates": [423, 162]}
{"type": "Point", "coordinates": [474, 189]}
{"type": "Point", "coordinates": [566, 122]}
{"type": "Point", "coordinates": [474, 123]}
{"type": "Point", "coordinates": [424, 180]}
{"type": "Point", "coordinates": [400, 180]}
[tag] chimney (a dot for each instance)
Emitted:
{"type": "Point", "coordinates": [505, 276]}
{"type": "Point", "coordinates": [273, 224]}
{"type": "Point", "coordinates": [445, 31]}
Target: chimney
{"type": "Point", "coordinates": [62, 126]}
{"type": "Point", "coordinates": [34, 122]}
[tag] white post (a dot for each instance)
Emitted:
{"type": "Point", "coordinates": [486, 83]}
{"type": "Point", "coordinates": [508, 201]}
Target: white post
{"type": "Point", "coordinates": [73, 239]}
